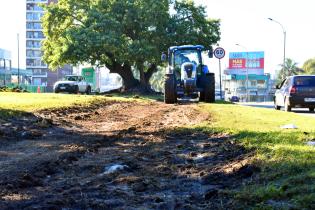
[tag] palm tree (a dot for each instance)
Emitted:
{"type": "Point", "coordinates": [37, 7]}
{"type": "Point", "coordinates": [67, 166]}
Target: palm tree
{"type": "Point", "coordinates": [289, 69]}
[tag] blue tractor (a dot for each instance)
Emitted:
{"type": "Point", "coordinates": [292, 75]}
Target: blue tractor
{"type": "Point", "coordinates": [187, 76]}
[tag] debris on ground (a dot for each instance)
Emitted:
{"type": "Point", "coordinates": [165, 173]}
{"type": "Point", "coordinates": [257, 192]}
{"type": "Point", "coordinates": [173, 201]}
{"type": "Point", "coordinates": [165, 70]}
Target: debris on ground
{"type": "Point", "coordinates": [289, 126]}
{"type": "Point", "coordinates": [311, 143]}
{"type": "Point", "coordinates": [53, 159]}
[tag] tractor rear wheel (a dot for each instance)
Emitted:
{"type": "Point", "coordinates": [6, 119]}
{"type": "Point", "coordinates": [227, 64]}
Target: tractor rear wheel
{"type": "Point", "coordinates": [170, 96]}
{"type": "Point", "coordinates": [208, 86]}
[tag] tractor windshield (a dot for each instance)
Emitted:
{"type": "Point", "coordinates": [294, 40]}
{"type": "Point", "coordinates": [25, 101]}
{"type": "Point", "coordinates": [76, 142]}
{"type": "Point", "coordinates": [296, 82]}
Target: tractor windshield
{"type": "Point", "coordinates": [182, 56]}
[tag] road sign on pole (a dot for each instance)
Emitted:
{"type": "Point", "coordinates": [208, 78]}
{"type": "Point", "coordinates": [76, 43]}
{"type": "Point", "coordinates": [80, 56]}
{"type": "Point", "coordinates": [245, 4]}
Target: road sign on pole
{"type": "Point", "coordinates": [219, 53]}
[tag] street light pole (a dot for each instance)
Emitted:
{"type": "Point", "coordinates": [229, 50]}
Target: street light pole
{"type": "Point", "coordinates": [284, 39]}
{"type": "Point", "coordinates": [246, 65]}
{"type": "Point", "coordinates": [18, 42]}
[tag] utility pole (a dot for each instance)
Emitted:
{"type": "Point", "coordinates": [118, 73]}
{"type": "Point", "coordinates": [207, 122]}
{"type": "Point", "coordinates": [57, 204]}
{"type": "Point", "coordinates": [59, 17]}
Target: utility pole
{"type": "Point", "coordinates": [284, 39]}
{"type": "Point", "coordinates": [18, 42]}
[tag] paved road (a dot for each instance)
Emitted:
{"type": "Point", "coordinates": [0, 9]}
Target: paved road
{"type": "Point", "coordinates": [269, 105]}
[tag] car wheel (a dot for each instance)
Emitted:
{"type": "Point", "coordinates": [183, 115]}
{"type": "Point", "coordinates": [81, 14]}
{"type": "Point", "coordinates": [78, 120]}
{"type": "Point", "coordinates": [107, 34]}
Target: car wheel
{"type": "Point", "coordinates": [56, 91]}
{"type": "Point", "coordinates": [276, 106]}
{"type": "Point", "coordinates": [311, 109]}
{"type": "Point", "coordinates": [287, 107]}
{"type": "Point", "coordinates": [76, 89]}
{"type": "Point", "coordinates": [88, 90]}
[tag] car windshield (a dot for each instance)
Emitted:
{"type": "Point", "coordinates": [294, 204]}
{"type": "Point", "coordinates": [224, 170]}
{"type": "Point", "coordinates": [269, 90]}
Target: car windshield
{"type": "Point", "coordinates": [71, 78]}
{"type": "Point", "coordinates": [304, 81]}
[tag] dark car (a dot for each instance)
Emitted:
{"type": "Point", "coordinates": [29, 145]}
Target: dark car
{"type": "Point", "coordinates": [235, 99]}
{"type": "Point", "coordinates": [296, 91]}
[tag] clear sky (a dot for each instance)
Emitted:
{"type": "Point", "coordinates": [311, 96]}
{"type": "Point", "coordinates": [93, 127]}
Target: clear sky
{"type": "Point", "coordinates": [242, 21]}
{"type": "Point", "coordinates": [12, 22]}
{"type": "Point", "coordinates": [245, 22]}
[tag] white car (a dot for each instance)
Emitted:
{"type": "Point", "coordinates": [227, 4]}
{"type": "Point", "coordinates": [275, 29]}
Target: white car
{"type": "Point", "coordinates": [73, 84]}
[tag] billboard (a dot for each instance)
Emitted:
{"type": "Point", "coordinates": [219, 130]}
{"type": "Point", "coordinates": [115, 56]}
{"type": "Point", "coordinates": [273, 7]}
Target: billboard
{"type": "Point", "coordinates": [243, 62]}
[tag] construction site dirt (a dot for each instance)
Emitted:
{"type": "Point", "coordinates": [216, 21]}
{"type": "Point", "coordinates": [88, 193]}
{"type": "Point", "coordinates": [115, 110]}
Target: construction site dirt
{"type": "Point", "coordinates": [119, 155]}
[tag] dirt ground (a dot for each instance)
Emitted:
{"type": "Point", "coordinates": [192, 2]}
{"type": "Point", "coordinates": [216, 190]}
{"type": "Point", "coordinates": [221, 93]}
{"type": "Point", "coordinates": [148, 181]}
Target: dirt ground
{"type": "Point", "coordinates": [118, 155]}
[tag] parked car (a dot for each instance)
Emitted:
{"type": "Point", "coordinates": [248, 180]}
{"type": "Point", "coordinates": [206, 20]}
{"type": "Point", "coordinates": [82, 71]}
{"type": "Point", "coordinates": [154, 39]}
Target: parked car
{"type": "Point", "coordinates": [234, 99]}
{"type": "Point", "coordinates": [296, 91]}
{"type": "Point", "coordinates": [72, 84]}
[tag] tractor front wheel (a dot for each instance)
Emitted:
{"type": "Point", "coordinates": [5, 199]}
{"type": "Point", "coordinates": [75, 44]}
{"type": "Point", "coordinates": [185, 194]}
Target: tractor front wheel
{"type": "Point", "coordinates": [170, 96]}
{"type": "Point", "coordinates": [208, 85]}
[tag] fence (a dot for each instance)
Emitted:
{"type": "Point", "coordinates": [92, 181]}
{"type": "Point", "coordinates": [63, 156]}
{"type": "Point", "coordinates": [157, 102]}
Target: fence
{"type": "Point", "coordinates": [29, 88]}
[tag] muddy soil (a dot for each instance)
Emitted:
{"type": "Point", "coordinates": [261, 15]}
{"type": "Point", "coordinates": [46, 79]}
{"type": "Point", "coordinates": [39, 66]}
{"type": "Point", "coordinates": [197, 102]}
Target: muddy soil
{"type": "Point", "coordinates": [118, 155]}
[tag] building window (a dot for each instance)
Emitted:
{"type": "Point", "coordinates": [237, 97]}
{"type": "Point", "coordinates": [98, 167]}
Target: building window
{"type": "Point", "coordinates": [33, 53]}
{"type": "Point", "coordinates": [35, 62]}
{"type": "Point", "coordinates": [33, 44]}
{"type": "Point", "coordinates": [34, 16]}
{"type": "Point", "coordinates": [35, 35]}
{"type": "Point", "coordinates": [33, 7]}
{"type": "Point", "coordinates": [253, 83]}
{"type": "Point", "coordinates": [261, 84]}
{"type": "Point", "coordinates": [34, 26]}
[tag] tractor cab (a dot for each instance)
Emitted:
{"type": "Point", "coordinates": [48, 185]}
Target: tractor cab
{"type": "Point", "coordinates": [186, 75]}
{"type": "Point", "coordinates": [184, 59]}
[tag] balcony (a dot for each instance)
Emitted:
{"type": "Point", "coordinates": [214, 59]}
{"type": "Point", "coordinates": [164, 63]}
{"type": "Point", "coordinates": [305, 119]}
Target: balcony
{"type": "Point", "coordinates": [40, 75]}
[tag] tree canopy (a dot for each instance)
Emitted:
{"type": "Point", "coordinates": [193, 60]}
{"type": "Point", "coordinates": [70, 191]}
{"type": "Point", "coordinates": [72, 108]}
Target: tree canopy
{"type": "Point", "coordinates": [121, 34]}
{"type": "Point", "coordinates": [309, 66]}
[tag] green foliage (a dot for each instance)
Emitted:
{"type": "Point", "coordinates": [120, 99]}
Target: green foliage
{"type": "Point", "coordinates": [309, 66]}
{"type": "Point", "coordinates": [119, 32]}
{"type": "Point", "coordinates": [289, 69]}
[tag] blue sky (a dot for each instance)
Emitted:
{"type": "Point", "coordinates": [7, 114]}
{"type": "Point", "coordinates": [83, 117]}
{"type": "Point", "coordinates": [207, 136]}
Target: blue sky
{"type": "Point", "coordinates": [243, 21]}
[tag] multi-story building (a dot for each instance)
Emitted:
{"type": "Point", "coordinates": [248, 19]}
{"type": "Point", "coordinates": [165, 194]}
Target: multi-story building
{"type": "Point", "coordinates": [5, 67]}
{"type": "Point", "coordinates": [42, 76]}
{"type": "Point", "coordinates": [245, 77]}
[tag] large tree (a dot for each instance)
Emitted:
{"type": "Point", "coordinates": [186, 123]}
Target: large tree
{"type": "Point", "coordinates": [309, 66]}
{"type": "Point", "coordinates": [123, 34]}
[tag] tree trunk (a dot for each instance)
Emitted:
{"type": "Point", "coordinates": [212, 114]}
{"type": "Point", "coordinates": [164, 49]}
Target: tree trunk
{"type": "Point", "coordinates": [129, 81]}
{"type": "Point", "coordinates": [146, 76]}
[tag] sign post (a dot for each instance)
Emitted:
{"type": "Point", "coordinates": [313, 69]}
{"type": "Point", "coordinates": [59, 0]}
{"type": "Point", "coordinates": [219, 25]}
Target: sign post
{"type": "Point", "coordinates": [219, 53]}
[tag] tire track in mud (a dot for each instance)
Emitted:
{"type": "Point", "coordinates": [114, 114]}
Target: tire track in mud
{"type": "Point", "coordinates": [159, 164]}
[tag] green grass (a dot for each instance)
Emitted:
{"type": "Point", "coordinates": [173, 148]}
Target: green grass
{"type": "Point", "coordinates": [287, 179]}
{"type": "Point", "coordinates": [15, 104]}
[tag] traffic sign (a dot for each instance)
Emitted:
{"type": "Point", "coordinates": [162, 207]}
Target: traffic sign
{"type": "Point", "coordinates": [219, 53]}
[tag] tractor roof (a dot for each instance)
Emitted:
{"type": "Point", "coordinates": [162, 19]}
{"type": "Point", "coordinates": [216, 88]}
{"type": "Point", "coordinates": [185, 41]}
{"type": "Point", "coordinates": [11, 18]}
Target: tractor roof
{"type": "Point", "coordinates": [187, 47]}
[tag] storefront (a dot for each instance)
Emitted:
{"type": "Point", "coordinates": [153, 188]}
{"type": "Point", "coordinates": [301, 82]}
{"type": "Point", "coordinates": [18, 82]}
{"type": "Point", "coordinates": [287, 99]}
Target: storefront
{"type": "Point", "coordinates": [253, 88]}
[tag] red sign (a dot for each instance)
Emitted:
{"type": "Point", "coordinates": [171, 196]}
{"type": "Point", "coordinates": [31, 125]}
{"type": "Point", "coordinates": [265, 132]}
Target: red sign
{"type": "Point", "coordinates": [242, 63]}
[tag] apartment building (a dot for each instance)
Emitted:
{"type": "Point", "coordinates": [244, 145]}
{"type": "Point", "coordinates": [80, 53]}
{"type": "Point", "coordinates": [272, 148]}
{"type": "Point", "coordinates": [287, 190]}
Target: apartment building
{"type": "Point", "coordinates": [42, 76]}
